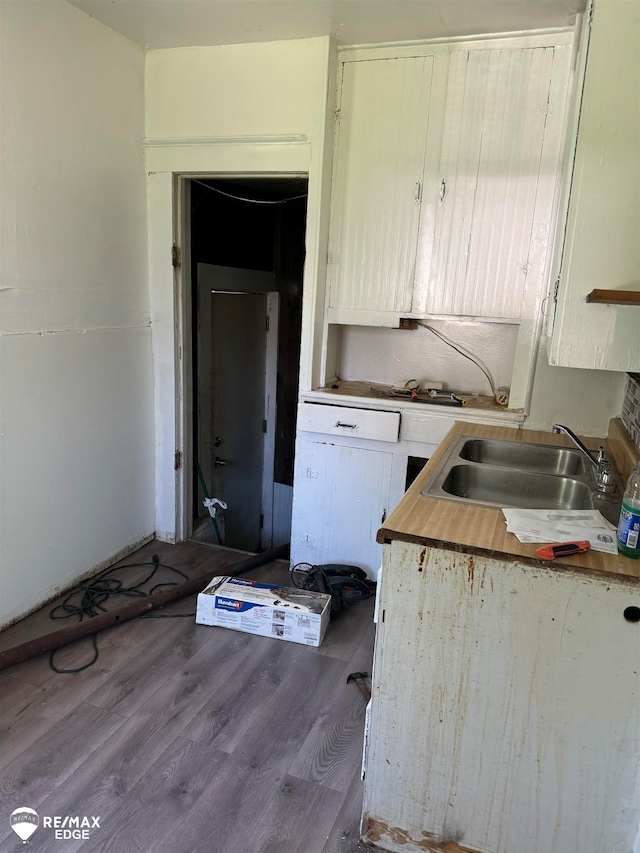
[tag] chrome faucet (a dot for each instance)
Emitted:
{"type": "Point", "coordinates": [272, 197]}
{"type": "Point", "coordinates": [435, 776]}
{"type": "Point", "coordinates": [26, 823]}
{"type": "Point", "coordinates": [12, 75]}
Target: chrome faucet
{"type": "Point", "coordinates": [605, 477]}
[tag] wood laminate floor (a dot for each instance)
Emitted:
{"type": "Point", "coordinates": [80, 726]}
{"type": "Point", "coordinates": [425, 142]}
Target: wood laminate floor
{"type": "Point", "coordinates": [188, 739]}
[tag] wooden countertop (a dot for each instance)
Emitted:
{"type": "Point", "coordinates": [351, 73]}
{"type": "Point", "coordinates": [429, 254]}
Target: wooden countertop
{"type": "Point", "coordinates": [458, 526]}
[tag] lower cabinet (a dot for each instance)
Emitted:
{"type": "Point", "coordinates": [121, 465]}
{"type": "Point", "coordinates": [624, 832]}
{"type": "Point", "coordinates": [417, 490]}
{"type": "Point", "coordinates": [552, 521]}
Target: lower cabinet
{"type": "Point", "coordinates": [342, 494]}
{"type": "Point", "coordinates": [505, 707]}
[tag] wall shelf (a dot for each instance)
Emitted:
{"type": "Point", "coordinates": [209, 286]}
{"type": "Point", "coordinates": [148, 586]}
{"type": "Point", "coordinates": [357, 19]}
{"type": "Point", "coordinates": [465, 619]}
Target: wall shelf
{"type": "Point", "coordinates": [615, 297]}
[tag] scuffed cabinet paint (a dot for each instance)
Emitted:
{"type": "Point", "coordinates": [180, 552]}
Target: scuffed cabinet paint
{"type": "Point", "coordinates": [333, 522]}
{"type": "Point", "coordinates": [505, 708]}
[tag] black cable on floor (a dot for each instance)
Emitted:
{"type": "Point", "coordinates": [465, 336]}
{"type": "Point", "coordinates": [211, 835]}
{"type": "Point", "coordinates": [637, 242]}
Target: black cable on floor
{"type": "Point", "coordinates": [95, 591]}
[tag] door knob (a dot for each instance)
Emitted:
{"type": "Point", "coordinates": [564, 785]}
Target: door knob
{"type": "Point", "coordinates": [220, 462]}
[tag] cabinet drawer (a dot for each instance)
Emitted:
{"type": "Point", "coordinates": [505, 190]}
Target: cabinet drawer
{"type": "Point", "coordinates": [353, 423]}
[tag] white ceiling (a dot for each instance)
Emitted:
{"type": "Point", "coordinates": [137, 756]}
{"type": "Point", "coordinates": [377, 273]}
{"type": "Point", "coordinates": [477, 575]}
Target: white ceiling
{"type": "Point", "coordinates": [181, 23]}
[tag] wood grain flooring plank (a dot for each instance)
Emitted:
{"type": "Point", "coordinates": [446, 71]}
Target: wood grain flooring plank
{"type": "Point", "coordinates": [344, 836]}
{"type": "Point", "coordinates": [233, 797]}
{"type": "Point", "coordinates": [162, 717]}
{"type": "Point", "coordinates": [138, 678]}
{"type": "Point", "coordinates": [14, 696]}
{"type": "Point", "coordinates": [347, 630]}
{"type": "Point", "coordinates": [241, 697]}
{"type": "Point", "coordinates": [101, 784]}
{"type": "Point", "coordinates": [332, 752]}
{"type": "Point", "coordinates": [286, 719]}
{"type": "Point", "coordinates": [59, 695]}
{"type": "Point", "coordinates": [262, 758]}
{"type": "Point", "coordinates": [160, 801]}
{"type": "Point", "coordinates": [36, 773]}
{"type": "Point", "coordinates": [213, 722]}
{"type": "Point", "coordinates": [284, 825]}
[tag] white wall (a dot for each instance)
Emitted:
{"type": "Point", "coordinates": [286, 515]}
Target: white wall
{"type": "Point", "coordinates": [237, 90]}
{"type": "Point", "coordinates": [385, 355]}
{"type": "Point", "coordinates": [584, 400]}
{"type": "Point", "coordinates": [76, 381]}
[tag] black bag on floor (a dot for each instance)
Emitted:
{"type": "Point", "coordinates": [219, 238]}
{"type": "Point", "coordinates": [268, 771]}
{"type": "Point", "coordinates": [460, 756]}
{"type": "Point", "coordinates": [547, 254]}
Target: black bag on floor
{"type": "Point", "coordinates": [345, 584]}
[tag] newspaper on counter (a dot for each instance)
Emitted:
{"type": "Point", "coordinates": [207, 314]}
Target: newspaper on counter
{"type": "Point", "coordinates": [545, 525]}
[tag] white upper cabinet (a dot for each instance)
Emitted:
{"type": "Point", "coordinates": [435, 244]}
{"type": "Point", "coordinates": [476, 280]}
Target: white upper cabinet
{"type": "Point", "coordinates": [602, 238]}
{"type": "Point", "coordinates": [381, 134]}
{"type": "Point", "coordinates": [495, 193]}
{"type": "Point", "coordinates": [445, 175]}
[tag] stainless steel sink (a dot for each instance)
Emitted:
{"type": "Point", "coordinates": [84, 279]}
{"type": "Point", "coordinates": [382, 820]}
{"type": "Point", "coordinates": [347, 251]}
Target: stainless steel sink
{"type": "Point", "coordinates": [513, 487]}
{"type": "Point", "coordinates": [543, 458]}
{"type": "Point", "coordinates": [499, 473]}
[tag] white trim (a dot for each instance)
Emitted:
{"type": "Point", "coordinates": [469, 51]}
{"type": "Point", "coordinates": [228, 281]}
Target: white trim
{"type": "Point", "coordinates": [183, 358]}
{"type": "Point", "coordinates": [263, 154]}
{"type": "Point", "coordinates": [199, 142]}
{"type": "Point", "coordinates": [572, 121]}
{"type": "Point", "coordinates": [491, 41]}
{"type": "Point", "coordinates": [165, 164]}
{"type": "Point", "coordinates": [270, 415]}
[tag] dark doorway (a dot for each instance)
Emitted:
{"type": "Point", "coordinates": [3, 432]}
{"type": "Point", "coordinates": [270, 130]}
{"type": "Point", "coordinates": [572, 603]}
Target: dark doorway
{"type": "Point", "coordinates": [247, 259]}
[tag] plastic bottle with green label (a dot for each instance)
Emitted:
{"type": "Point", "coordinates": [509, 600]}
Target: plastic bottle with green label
{"type": "Point", "coordinates": [629, 525]}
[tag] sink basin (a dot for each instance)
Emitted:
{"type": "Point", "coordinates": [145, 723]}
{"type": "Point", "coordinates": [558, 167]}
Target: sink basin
{"type": "Point", "coordinates": [544, 458]}
{"type": "Point", "coordinates": [513, 487]}
{"type": "Point", "coordinates": [502, 473]}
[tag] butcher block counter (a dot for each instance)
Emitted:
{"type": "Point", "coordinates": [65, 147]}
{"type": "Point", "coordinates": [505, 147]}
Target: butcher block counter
{"type": "Point", "coordinates": [482, 530]}
{"type": "Point", "coordinates": [505, 709]}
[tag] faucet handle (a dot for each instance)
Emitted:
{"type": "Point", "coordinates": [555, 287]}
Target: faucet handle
{"type": "Point", "coordinates": [605, 476]}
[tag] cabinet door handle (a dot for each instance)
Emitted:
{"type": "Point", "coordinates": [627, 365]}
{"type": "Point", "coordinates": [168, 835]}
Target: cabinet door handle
{"type": "Point", "coordinates": [339, 424]}
{"type": "Point", "coordinates": [443, 189]}
{"type": "Point", "coordinates": [417, 192]}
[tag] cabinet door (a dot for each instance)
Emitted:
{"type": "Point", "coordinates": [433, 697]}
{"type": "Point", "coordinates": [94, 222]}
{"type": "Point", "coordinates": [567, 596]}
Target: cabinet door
{"type": "Point", "coordinates": [505, 707]}
{"type": "Point", "coordinates": [602, 249]}
{"type": "Point", "coordinates": [378, 173]}
{"type": "Point", "coordinates": [341, 496]}
{"type": "Point", "coordinates": [498, 172]}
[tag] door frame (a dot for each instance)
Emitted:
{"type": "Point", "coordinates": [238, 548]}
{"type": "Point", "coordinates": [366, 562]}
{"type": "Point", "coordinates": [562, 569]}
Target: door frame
{"type": "Point", "coordinates": [270, 414]}
{"type": "Point", "coordinates": [170, 164]}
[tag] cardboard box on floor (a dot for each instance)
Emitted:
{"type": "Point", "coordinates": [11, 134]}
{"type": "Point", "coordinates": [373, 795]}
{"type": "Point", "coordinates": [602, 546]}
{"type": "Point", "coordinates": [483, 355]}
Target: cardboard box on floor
{"type": "Point", "coordinates": [286, 613]}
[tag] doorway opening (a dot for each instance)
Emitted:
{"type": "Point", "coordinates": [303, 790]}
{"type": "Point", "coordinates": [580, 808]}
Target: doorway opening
{"type": "Point", "coordinates": [247, 248]}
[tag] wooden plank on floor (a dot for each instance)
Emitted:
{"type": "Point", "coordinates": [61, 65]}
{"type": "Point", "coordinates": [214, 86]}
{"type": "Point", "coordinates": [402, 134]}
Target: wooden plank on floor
{"type": "Point", "coordinates": [225, 741]}
{"type": "Point", "coordinates": [60, 694]}
{"type": "Point", "coordinates": [141, 676]}
{"type": "Point", "coordinates": [190, 558]}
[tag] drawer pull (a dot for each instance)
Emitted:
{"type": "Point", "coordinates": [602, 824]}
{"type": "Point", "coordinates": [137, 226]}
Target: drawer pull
{"type": "Point", "coordinates": [345, 426]}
